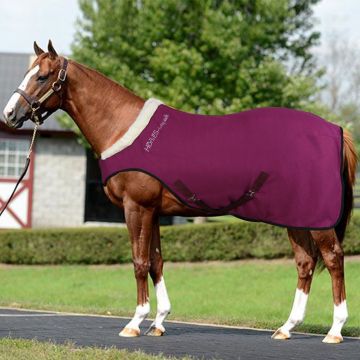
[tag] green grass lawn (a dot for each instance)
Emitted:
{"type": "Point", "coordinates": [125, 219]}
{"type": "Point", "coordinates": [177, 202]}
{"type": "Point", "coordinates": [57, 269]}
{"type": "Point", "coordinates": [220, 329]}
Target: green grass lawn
{"type": "Point", "coordinates": [16, 349]}
{"type": "Point", "coordinates": [257, 294]}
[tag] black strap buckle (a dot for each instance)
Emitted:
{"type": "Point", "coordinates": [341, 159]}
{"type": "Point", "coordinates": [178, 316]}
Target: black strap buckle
{"type": "Point", "coordinates": [201, 205]}
{"type": "Point", "coordinates": [250, 194]}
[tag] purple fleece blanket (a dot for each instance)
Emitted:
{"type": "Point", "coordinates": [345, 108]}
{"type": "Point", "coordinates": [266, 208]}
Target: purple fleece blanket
{"type": "Point", "coordinates": [274, 165]}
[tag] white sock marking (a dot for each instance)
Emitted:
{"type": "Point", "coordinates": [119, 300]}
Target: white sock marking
{"type": "Point", "coordinates": [163, 304]}
{"type": "Point", "coordinates": [10, 106]}
{"type": "Point", "coordinates": [297, 313]}
{"type": "Point", "coordinates": [339, 319]}
{"type": "Point", "coordinates": [141, 313]}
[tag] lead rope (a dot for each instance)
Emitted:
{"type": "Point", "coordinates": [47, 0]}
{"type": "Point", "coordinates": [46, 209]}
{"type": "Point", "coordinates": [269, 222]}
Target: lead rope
{"type": "Point", "coordinates": [25, 169]}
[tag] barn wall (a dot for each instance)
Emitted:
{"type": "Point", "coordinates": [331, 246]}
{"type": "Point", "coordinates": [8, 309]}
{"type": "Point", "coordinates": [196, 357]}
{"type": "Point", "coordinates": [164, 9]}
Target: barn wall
{"type": "Point", "coordinates": [59, 183]}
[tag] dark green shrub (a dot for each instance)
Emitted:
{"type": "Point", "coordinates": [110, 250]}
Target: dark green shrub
{"type": "Point", "coordinates": [217, 241]}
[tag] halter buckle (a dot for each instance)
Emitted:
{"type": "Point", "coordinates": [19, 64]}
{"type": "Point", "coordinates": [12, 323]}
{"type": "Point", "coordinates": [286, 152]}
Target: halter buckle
{"type": "Point", "coordinates": [62, 75]}
{"type": "Point", "coordinates": [56, 86]}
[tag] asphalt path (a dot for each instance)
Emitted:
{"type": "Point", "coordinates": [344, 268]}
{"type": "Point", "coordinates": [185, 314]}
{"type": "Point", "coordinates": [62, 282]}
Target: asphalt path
{"type": "Point", "coordinates": [199, 341]}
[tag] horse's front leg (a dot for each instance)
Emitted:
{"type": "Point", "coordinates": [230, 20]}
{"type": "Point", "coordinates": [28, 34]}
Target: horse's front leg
{"type": "Point", "coordinates": [140, 225]}
{"type": "Point", "coordinates": [156, 273]}
{"type": "Point", "coordinates": [305, 257]}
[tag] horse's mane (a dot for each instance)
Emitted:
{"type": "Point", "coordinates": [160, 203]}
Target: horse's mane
{"type": "Point", "coordinates": [98, 77]}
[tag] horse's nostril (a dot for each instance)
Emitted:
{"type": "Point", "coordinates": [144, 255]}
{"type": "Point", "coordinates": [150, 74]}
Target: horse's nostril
{"type": "Point", "coordinates": [10, 114]}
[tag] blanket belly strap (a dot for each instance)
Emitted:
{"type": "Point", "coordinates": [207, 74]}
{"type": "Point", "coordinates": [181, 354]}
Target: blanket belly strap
{"type": "Point", "coordinates": [249, 195]}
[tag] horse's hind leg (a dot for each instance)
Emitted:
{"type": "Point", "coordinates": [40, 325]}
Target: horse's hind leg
{"type": "Point", "coordinates": [333, 256]}
{"type": "Point", "coordinates": [156, 273]}
{"type": "Point", "coordinates": [305, 258]}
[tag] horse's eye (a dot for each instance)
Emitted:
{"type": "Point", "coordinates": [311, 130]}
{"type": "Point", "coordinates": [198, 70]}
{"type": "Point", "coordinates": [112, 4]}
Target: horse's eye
{"type": "Point", "coordinates": [42, 78]}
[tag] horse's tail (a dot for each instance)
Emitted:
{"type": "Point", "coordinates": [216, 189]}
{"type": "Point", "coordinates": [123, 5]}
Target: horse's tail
{"type": "Point", "coordinates": [349, 172]}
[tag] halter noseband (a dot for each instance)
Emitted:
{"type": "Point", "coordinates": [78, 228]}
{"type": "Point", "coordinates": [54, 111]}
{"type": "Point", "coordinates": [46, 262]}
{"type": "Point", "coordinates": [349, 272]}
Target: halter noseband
{"type": "Point", "coordinates": [35, 104]}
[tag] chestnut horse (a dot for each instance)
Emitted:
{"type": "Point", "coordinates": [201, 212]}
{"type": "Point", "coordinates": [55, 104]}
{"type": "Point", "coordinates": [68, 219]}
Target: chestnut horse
{"type": "Point", "coordinates": [104, 111]}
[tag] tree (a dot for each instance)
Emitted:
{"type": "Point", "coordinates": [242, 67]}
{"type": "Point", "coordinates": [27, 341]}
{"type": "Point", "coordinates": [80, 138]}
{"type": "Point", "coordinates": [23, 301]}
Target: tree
{"type": "Point", "coordinates": [207, 56]}
{"type": "Point", "coordinates": [342, 76]}
{"type": "Point", "coordinates": [341, 82]}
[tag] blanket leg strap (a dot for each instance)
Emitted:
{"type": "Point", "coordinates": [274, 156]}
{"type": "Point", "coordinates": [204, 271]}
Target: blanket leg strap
{"type": "Point", "coordinates": [249, 195]}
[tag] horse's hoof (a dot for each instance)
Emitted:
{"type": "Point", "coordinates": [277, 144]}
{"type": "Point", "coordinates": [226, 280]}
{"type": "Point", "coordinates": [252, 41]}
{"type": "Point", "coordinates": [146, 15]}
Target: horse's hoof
{"type": "Point", "coordinates": [332, 339]}
{"type": "Point", "coordinates": [154, 331]}
{"type": "Point", "coordinates": [280, 335]}
{"type": "Point", "coordinates": [129, 332]}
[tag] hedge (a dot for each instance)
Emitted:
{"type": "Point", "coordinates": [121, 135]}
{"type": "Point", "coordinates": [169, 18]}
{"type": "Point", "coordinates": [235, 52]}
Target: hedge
{"type": "Point", "coordinates": [217, 241]}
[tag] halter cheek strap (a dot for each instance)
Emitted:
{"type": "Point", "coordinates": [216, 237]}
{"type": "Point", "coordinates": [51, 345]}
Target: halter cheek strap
{"type": "Point", "coordinates": [38, 118]}
{"type": "Point", "coordinates": [35, 104]}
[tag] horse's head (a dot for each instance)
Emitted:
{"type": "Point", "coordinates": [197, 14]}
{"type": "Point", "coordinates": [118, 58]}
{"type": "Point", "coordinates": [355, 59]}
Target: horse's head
{"type": "Point", "coordinates": [41, 91]}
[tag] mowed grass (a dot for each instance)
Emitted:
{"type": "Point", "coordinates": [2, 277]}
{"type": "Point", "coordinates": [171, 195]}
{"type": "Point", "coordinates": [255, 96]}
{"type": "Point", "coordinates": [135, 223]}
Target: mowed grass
{"type": "Point", "coordinates": [254, 293]}
{"type": "Point", "coordinates": [16, 349]}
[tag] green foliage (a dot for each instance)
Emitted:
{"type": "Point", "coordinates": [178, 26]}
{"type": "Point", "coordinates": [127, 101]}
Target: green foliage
{"type": "Point", "coordinates": [218, 241]}
{"type": "Point", "coordinates": [213, 56]}
{"type": "Point", "coordinates": [229, 241]}
{"type": "Point", "coordinates": [352, 240]}
{"type": "Point", "coordinates": [70, 246]}
{"type": "Point", "coordinates": [349, 115]}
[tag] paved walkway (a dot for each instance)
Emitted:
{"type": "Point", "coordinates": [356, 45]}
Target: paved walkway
{"type": "Point", "coordinates": [207, 342]}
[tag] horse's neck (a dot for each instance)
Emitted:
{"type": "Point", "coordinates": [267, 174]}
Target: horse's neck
{"type": "Point", "coordinates": [102, 109]}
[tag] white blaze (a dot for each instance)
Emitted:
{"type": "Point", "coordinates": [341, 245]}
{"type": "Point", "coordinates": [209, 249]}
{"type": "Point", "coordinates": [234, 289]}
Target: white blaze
{"type": "Point", "coordinates": [16, 96]}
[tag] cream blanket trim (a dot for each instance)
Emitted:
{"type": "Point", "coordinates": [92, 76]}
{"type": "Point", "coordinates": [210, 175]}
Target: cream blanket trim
{"type": "Point", "coordinates": [134, 130]}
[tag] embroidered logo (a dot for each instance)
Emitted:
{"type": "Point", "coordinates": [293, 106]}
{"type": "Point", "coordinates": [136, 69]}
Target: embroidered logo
{"type": "Point", "coordinates": [156, 133]}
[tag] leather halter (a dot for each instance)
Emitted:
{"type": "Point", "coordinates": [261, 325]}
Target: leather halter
{"type": "Point", "coordinates": [35, 104]}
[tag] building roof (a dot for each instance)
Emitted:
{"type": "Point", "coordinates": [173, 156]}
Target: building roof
{"type": "Point", "coordinates": [12, 69]}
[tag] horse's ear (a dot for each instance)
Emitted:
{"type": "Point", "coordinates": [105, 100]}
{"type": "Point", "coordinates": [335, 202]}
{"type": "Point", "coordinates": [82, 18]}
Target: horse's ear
{"type": "Point", "coordinates": [38, 50]}
{"type": "Point", "coordinates": [52, 52]}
